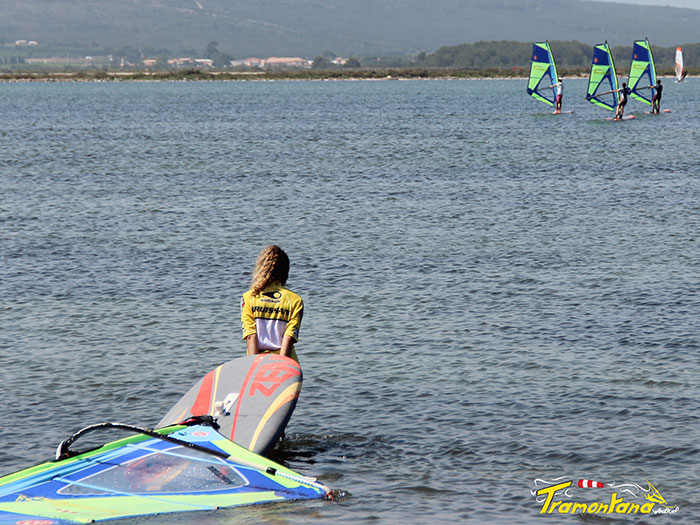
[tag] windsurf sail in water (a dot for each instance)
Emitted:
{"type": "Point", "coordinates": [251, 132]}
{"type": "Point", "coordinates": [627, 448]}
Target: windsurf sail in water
{"type": "Point", "coordinates": [679, 64]}
{"type": "Point", "coordinates": [602, 81]}
{"type": "Point", "coordinates": [642, 72]}
{"type": "Point", "coordinates": [175, 469]}
{"type": "Point", "coordinates": [543, 74]}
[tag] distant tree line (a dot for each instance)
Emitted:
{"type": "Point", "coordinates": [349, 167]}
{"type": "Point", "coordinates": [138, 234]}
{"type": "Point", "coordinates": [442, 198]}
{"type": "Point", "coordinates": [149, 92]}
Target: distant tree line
{"type": "Point", "coordinates": [483, 55]}
{"type": "Point", "coordinates": [507, 54]}
{"type": "Point", "coordinates": [326, 61]}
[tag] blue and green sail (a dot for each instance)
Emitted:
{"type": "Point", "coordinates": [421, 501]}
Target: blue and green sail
{"type": "Point", "coordinates": [602, 81]}
{"type": "Point", "coordinates": [174, 469]}
{"type": "Point", "coordinates": [543, 74]}
{"type": "Point", "coordinates": [642, 72]}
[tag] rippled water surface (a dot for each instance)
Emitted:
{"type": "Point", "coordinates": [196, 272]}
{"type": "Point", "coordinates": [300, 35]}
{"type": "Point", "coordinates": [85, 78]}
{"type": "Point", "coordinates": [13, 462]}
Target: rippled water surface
{"type": "Point", "coordinates": [493, 294]}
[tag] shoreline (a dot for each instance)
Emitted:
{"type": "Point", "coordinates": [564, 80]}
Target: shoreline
{"type": "Point", "coordinates": [196, 75]}
{"type": "Point", "coordinates": [234, 77]}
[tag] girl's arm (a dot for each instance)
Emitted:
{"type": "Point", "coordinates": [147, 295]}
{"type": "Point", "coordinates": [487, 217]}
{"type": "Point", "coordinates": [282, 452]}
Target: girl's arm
{"type": "Point", "coordinates": [287, 346]}
{"type": "Point", "coordinates": [248, 326]}
{"type": "Point", "coordinates": [252, 344]}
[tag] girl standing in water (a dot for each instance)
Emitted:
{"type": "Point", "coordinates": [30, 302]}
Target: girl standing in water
{"type": "Point", "coordinates": [270, 313]}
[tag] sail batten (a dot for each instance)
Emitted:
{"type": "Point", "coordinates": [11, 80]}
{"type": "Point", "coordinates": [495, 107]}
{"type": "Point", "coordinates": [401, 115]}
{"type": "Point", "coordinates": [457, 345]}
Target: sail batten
{"type": "Point", "coordinates": [543, 74]}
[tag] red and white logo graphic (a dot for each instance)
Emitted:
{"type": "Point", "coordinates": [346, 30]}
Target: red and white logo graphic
{"type": "Point", "coordinates": [269, 377]}
{"type": "Point", "coordinates": [590, 484]}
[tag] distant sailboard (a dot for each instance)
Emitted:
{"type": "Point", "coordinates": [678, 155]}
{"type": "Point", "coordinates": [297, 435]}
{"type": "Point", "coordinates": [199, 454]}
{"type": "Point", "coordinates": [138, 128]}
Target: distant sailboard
{"type": "Point", "coordinates": [602, 81]}
{"type": "Point", "coordinates": [642, 72]}
{"type": "Point", "coordinates": [679, 64]}
{"type": "Point", "coordinates": [543, 74]}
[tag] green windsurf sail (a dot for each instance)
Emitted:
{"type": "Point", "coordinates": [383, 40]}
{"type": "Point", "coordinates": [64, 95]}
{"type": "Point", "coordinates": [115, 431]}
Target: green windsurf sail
{"type": "Point", "coordinates": [188, 467]}
{"type": "Point", "coordinates": [543, 74]}
{"type": "Point", "coordinates": [602, 81]}
{"type": "Point", "coordinates": [642, 72]}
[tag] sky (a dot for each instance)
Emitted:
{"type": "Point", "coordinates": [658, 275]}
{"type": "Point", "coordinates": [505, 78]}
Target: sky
{"type": "Point", "coordinates": [693, 4]}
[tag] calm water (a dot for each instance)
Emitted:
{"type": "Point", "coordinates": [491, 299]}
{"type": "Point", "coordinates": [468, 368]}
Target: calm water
{"type": "Point", "coordinates": [493, 294]}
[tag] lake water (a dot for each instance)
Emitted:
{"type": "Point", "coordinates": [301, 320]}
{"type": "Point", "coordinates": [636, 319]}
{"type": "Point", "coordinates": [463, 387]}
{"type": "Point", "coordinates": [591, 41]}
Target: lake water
{"type": "Point", "coordinates": [493, 294]}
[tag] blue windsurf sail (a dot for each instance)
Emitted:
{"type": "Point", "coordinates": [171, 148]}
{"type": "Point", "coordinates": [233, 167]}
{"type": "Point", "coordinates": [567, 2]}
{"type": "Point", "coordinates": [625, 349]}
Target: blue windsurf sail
{"type": "Point", "coordinates": [642, 72]}
{"type": "Point", "coordinates": [543, 74]}
{"type": "Point", "coordinates": [175, 469]}
{"type": "Point", "coordinates": [602, 81]}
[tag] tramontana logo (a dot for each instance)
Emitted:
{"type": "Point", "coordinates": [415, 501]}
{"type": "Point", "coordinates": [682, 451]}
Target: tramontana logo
{"type": "Point", "coordinates": [584, 496]}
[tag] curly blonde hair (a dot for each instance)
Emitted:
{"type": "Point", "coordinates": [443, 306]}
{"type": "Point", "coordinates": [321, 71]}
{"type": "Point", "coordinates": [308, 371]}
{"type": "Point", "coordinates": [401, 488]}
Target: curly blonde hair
{"type": "Point", "coordinates": [271, 267]}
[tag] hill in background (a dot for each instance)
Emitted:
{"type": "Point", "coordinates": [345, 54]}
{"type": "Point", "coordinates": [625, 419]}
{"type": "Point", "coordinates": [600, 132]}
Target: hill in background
{"type": "Point", "coordinates": [348, 27]}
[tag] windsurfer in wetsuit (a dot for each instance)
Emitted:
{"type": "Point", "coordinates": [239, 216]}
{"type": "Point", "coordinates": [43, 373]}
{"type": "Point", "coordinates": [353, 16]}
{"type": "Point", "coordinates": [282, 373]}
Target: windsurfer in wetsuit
{"type": "Point", "coordinates": [656, 99]}
{"type": "Point", "coordinates": [624, 91]}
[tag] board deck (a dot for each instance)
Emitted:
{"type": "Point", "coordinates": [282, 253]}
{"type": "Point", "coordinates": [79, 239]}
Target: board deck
{"type": "Point", "coordinates": [562, 112]}
{"type": "Point", "coordinates": [627, 117]}
{"type": "Point", "coordinates": [251, 398]}
{"type": "Point", "coordinates": [662, 111]}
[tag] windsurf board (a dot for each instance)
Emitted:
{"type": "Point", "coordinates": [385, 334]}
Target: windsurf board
{"type": "Point", "coordinates": [626, 117]}
{"type": "Point", "coordinates": [251, 398]}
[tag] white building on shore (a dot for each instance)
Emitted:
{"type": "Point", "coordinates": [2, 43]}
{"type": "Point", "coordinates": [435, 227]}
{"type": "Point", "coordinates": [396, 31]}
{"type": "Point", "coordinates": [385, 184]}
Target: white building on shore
{"type": "Point", "coordinates": [273, 63]}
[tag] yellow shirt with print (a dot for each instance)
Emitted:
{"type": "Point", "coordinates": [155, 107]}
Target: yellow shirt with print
{"type": "Point", "coordinates": [271, 314]}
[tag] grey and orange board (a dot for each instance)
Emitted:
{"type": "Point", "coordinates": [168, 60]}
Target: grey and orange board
{"type": "Point", "coordinates": [251, 398]}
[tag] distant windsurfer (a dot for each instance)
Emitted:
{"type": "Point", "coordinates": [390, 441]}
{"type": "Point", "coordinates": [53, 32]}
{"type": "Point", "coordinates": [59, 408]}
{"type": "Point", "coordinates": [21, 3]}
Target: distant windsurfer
{"type": "Point", "coordinates": [560, 93]}
{"type": "Point", "coordinates": [684, 74]}
{"type": "Point", "coordinates": [656, 99]}
{"type": "Point", "coordinates": [624, 91]}
{"type": "Point", "coordinates": [270, 313]}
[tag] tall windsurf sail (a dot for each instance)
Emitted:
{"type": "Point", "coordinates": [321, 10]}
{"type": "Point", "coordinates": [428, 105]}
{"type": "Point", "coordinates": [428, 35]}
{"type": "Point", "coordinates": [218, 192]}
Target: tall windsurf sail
{"type": "Point", "coordinates": [602, 81]}
{"type": "Point", "coordinates": [679, 64]}
{"type": "Point", "coordinates": [543, 74]}
{"type": "Point", "coordinates": [642, 72]}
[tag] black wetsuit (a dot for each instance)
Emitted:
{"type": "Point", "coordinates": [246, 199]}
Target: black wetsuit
{"type": "Point", "coordinates": [622, 101]}
{"type": "Point", "coordinates": [623, 97]}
